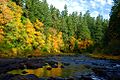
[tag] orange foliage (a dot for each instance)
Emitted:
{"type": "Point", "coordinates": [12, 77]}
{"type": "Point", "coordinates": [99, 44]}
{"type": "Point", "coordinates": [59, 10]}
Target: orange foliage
{"type": "Point", "coordinates": [1, 34]}
{"type": "Point", "coordinates": [3, 1]}
{"type": "Point", "coordinates": [29, 27]}
{"type": "Point", "coordinates": [36, 53]}
{"type": "Point", "coordinates": [57, 42]}
{"type": "Point", "coordinates": [6, 14]}
{"type": "Point", "coordinates": [84, 44]}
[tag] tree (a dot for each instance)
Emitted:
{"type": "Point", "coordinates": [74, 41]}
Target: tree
{"type": "Point", "coordinates": [98, 30]}
{"type": "Point", "coordinates": [112, 37]}
{"type": "Point", "coordinates": [84, 32]}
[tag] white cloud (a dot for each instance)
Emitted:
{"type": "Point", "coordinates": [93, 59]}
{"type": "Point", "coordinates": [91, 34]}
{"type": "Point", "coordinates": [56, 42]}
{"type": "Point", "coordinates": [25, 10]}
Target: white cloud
{"type": "Point", "coordinates": [57, 3]}
{"type": "Point", "coordinates": [75, 6]}
{"type": "Point", "coordinates": [102, 2]}
{"type": "Point", "coordinates": [108, 10]}
{"type": "Point", "coordinates": [94, 14]}
{"type": "Point", "coordinates": [95, 6]}
{"type": "Point", "coordinates": [110, 2]}
{"type": "Point", "coordinates": [106, 16]}
{"type": "Point", "coordinates": [83, 1]}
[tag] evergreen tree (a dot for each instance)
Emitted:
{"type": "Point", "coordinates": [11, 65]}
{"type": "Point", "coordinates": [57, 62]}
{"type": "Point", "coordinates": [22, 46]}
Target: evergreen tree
{"type": "Point", "coordinates": [84, 31]}
{"type": "Point", "coordinates": [112, 37]}
{"type": "Point", "coordinates": [98, 30]}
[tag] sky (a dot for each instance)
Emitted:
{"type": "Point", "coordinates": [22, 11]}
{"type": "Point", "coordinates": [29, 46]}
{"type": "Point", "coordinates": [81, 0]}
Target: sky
{"type": "Point", "coordinates": [96, 7]}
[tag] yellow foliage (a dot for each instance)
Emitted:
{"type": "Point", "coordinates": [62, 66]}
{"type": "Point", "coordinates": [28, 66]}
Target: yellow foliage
{"type": "Point", "coordinates": [1, 37]}
{"type": "Point", "coordinates": [38, 24]}
{"type": "Point", "coordinates": [56, 42]}
{"type": "Point", "coordinates": [29, 34]}
{"type": "Point", "coordinates": [29, 40]}
{"type": "Point", "coordinates": [29, 27]}
{"type": "Point", "coordinates": [72, 42]}
{"type": "Point", "coordinates": [14, 51]}
{"type": "Point", "coordinates": [6, 14]}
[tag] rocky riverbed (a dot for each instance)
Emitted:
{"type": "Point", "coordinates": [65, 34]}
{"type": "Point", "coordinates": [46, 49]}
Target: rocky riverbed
{"type": "Point", "coordinates": [59, 68]}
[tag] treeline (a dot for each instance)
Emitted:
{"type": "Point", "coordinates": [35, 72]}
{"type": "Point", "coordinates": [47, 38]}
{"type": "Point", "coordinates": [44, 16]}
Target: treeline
{"type": "Point", "coordinates": [33, 25]}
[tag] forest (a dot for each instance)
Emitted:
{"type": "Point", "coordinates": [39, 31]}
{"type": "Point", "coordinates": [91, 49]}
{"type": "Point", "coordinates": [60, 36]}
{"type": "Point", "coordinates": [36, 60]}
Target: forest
{"type": "Point", "coordinates": [32, 27]}
{"type": "Point", "coordinates": [40, 42]}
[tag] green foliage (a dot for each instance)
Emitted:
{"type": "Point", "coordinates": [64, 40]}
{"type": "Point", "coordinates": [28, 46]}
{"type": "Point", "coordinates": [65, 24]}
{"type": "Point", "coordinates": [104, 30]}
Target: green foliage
{"type": "Point", "coordinates": [112, 36]}
{"type": "Point", "coordinates": [34, 26]}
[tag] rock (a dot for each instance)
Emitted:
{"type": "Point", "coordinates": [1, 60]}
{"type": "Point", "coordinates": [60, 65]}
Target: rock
{"type": "Point", "coordinates": [58, 78]}
{"type": "Point", "coordinates": [99, 71]}
{"type": "Point", "coordinates": [6, 76]}
{"type": "Point", "coordinates": [27, 77]}
{"type": "Point", "coordinates": [54, 66]}
{"type": "Point", "coordinates": [70, 78]}
{"type": "Point", "coordinates": [61, 66]}
{"type": "Point", "coordinates": [33, 65]}
{"type": "Point", "coordinates": [24, 72]}
{"type": "Point", "coordinates": [51, 63]}
{"type": "Point", "coordinates": [17, 77]}
{"type": "Point", "coordinates": [51, 78]}
{"type": "Point", "coordinates": [31, 77]}
{"type": "Point", "coordinates": [86, 78]}
{"type": "Point", "coordinates": [49, 68]}
{"type": "Point", "coordinates": [66, 64]}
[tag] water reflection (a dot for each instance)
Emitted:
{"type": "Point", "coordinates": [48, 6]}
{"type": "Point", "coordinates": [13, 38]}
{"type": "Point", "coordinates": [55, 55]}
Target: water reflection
{"type": "Point", "coordinates": [43, 72]}
{"type": "Point", "coordinates": [71, 70]}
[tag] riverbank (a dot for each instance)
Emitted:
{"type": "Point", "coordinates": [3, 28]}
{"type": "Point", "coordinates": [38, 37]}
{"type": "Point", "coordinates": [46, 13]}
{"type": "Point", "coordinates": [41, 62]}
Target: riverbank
{"type": "Point", "coordinates": [104, 56]}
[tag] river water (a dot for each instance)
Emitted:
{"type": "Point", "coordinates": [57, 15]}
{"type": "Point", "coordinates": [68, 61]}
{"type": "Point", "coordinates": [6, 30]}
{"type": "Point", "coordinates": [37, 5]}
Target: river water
{"type": "Point", "coordinates": [75, 67]}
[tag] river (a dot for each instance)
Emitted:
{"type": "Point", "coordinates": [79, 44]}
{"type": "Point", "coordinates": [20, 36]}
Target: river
{"type": "Point", "coordinates": [59, 67]}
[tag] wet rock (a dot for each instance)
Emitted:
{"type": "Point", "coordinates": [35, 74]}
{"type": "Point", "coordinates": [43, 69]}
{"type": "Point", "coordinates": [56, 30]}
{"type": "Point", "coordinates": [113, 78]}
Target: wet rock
{"type": "Point", "coordinates": [49, 68]}
{"type": "Point", "coordinates": [6, 76]}
{"type": "Point", "coordinates": [27, 77]}
{"type": "Point", "coordinates": [70, 78]}
{"type": "Point", "coordinates": [99, 71]}
{"type": "Point", "coordinates": [61, 66]}
{"type": "Point", "coordinates": [54, 66]}
{"type": "Point", "coordinates": [86, 78]}
{"type": "Point", "coordinates": [18, 77]}
{"type": "Point", "coordinates": [42, 78]}
{"type": "Point", "coordinates": [58, 78]}
{"type": "Point", "coordinates": [33, 65]}
{"type": "Point", "coordinates": [24, 72]}
{"type": "Point", "coordinates": [51, 63]}
{"type": "Point", "coordinates": [51, 78]}
{"type": "Point", "coordinates": [31, 77]}
{"type": "Point", "coordinates": [66, 64]}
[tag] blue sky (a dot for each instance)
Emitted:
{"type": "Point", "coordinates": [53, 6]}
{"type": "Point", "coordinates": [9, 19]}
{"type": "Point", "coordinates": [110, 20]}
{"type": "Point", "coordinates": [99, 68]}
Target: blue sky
{"type": "Point", "coordinates": [95, 7]}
